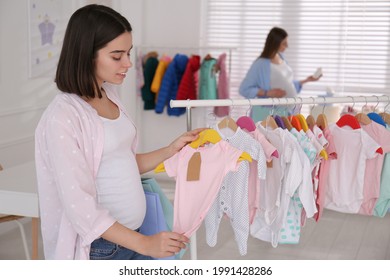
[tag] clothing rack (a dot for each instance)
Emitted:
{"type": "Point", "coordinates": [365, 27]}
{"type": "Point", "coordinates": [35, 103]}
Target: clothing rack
{"type": "Point", "coordinates": [204, 49]}
{"type": "Point", "coordinates": [189, 104]}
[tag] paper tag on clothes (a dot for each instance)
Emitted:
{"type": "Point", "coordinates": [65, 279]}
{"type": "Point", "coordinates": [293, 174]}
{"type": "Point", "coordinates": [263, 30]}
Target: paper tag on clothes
{"type": "Point", "coordinates": [269, 164]}
{"type": "Point", "coordinates": [193, 169]}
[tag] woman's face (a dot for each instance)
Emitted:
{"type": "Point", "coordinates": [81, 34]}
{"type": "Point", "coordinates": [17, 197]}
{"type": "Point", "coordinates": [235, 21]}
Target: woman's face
{"type": "Point", "coordinates": [113, 60]}
{"type": "Point", "coordinates": [283, 45]}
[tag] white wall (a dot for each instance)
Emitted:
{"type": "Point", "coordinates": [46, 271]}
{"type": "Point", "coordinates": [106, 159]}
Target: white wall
{"type": "Point", "coordinates": [165, 23]}
{"type": "Point", "coordinates": [22, 99]}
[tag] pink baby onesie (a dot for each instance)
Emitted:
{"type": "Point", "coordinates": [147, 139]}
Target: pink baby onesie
{"type": "Point", "coordinates": [194, 198]}
{"type": "Point", "coordinates": [344, 190]}
{"type": "Point", "coordinates": [372, 175]}
{"type": "Point", "coordinates": [323, 173]}
{"type": "Point", "coordinates": [253, 181]}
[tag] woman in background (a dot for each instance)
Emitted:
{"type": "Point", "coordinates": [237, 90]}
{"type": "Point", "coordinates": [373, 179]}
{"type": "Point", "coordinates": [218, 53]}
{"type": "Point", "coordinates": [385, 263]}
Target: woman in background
{"type": "Point", "coordinates": [270, 76]}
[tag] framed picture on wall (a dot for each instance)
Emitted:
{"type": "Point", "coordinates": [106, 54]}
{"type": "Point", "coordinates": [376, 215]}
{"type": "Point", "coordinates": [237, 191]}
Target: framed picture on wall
{"type": "Point", "coordinates": [47, 23]}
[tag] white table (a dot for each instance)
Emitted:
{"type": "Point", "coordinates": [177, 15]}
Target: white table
{"type": "Point", "coordinates": [19, 197]}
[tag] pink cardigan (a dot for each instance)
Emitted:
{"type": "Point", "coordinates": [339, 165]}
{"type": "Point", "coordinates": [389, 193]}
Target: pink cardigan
{"type": "Point", "coordinates": [223, 86]}
{"type": "Point", "coordinates": [68, 149]}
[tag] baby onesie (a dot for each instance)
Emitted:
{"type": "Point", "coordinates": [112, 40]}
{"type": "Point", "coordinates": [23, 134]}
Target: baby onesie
{"type": "Point", "coordinates": [383, 202]}
{"type": "Point", "coordinates": [323, 173]}
{"type": "Point", "coordinates": [372, 175]}
{"type": "Point", "coordinates": [292, 179]}
{"type": "Point", "coordinates": [270, 152]}
{"type": "Point", "coordinates": [194, 198]}
{"type": "Point", "coordinates": [232, 198]}
{"type": "Point", "coordinates": [344, 190]}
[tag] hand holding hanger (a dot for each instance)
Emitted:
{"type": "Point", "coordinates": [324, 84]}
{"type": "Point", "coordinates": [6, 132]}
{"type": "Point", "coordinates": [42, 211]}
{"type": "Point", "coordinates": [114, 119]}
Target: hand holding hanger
{"type": "Point", "coordinates": [206, 136]}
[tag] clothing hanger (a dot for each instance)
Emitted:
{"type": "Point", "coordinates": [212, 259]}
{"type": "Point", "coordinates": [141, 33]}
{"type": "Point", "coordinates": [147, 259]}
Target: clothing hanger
{"type": "Point", "coordinates": [278, 119]}
{"type": "Point", "coordinates": [287, 123]}
{"type": "Point", "coordinates": [348, 119]}
{"type": "Point", "coordinates": [303, 122]}
{"type": "Point", "coordinates": [362, 117]}
{"type": "Point", "coordinates": [375, 116]}
{"type": "Point", "coordinates": [246, 122]}
{"type": "Point", "coordinates": [310, 119]}
{"type": "Point", "coordinates": [228, 121]}
{"type": "Point", "coordinates": [206, 136]}
{"type": "Point", "coordinates": [295, 122]}
{"type": "Point", "coordinates": [386, 116]}
{"type": "Point", "coordinates": [279, 122]}
{"type": "Point", "coordinates": [322, 121]}
{"type": "Point", "coordinates": [270, 121]}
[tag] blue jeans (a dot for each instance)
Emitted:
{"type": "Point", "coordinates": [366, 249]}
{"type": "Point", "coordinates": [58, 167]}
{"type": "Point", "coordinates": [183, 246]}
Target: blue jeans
{"type": "Point", "coordinates": [102, 249]}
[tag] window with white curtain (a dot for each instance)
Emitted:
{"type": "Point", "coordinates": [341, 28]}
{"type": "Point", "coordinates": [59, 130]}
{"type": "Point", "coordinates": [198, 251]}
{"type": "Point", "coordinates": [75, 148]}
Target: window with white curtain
{"type": "Point", "coordinates": [349, 39]}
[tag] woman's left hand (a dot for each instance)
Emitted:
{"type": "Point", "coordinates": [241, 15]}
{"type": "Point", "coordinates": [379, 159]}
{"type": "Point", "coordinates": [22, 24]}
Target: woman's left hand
{"type": "Point", "coordinates": [184, 139]}
{"type": "Point", "coordinates": [313, 79]}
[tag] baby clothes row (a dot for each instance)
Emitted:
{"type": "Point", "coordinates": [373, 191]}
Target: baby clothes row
{"type": "Point", "coordinates": [287, 190]}
{"type": "Point", "coordinates": [354, 181]}
{"type": "Point", "coordinates": [288, 180]}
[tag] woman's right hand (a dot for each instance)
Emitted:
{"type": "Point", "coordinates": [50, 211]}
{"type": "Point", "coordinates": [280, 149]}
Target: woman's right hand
{"type": "Point", "coordinates": [276, 93]}
{"type": "Point", "coordinates": [164, 244]}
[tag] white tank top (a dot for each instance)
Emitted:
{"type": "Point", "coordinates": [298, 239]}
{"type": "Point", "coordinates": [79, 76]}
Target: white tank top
{"type": "Point", "coordinates": [282, 77]}
{"type": "Point", "coordinates": [119, 186]}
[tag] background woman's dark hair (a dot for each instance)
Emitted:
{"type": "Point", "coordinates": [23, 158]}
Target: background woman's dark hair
{"type": "Point", "coordinates": [90, 28]}
{"type": "Point", "coordinates": [275, 37]}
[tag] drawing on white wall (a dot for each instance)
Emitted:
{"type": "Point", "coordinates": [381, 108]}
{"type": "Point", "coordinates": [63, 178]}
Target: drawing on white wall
{"type": "Point", "coordinates": [47, 25]}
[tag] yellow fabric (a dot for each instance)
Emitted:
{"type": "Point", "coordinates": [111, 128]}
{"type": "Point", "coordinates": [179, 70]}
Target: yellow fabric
{"type": "Point", "coordinates": [158, 76]}
{"type": "Point", "coordinates": [207, 135]}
